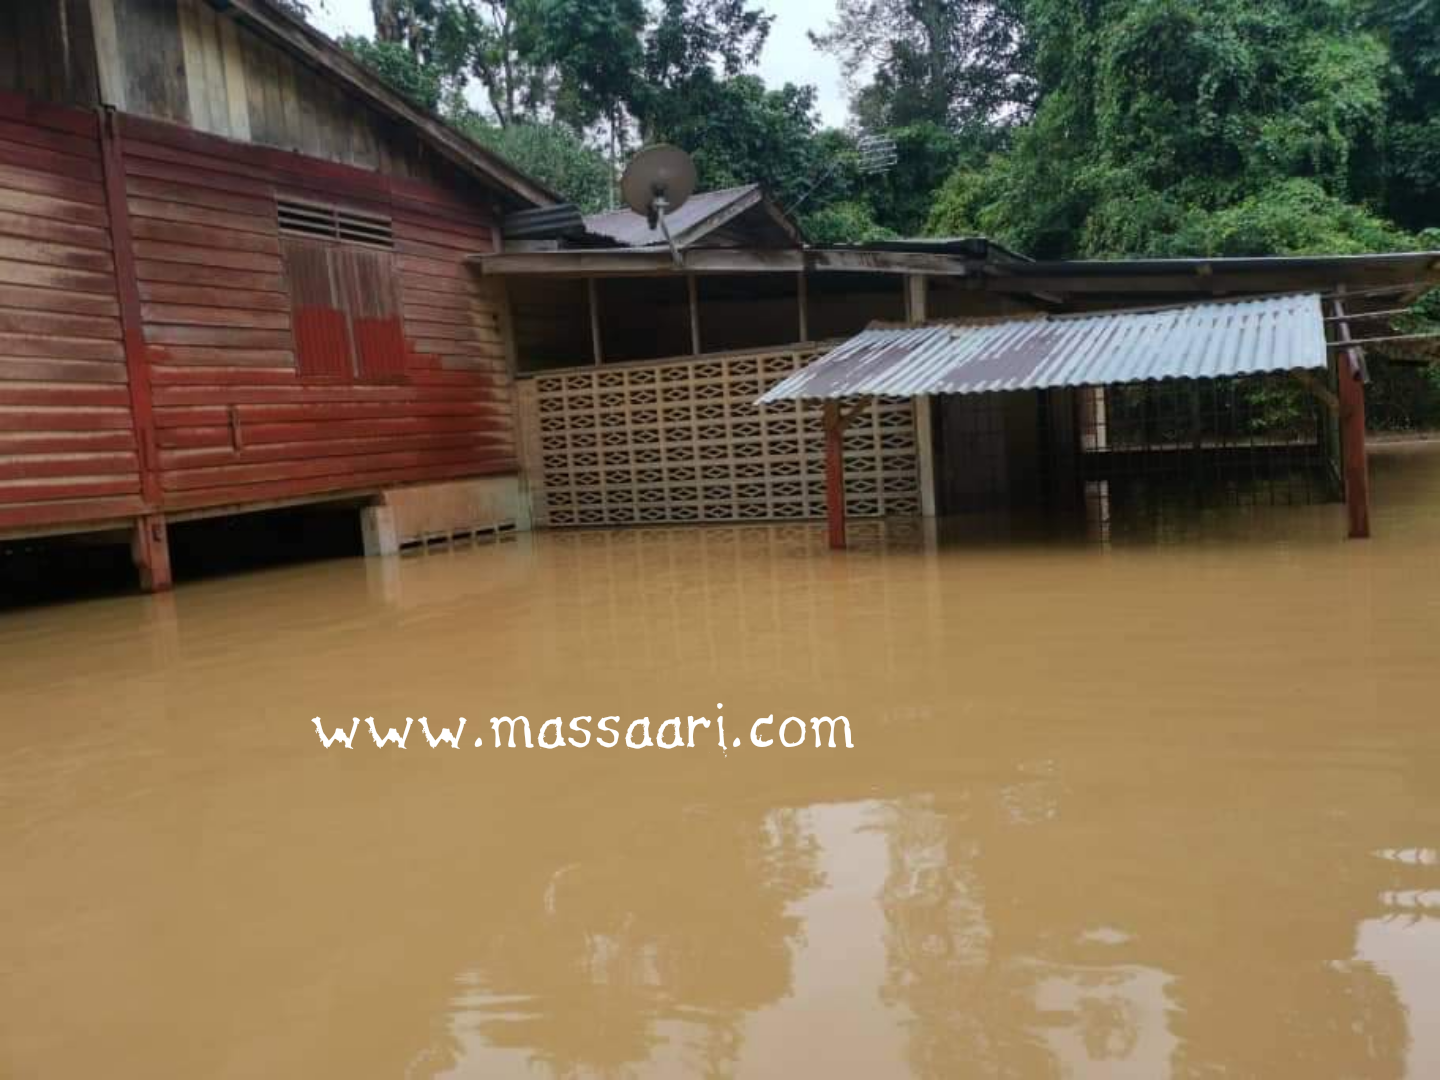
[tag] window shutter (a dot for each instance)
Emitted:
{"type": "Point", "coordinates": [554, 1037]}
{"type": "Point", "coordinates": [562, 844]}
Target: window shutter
{"type": "Point", "coordinates": [343, 296]}
{"type": "Point", "coordinates": [366, 280]}
{"type": "Point", "coordinates": [322, 331]}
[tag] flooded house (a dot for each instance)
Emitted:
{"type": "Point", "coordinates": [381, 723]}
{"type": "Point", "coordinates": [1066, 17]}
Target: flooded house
{"type": "Point", "coordinates": [238, 273]}
{"type": "Point", "coordinates": [749, 376]}
{"type": "Point", "coordinates": [232, 278]}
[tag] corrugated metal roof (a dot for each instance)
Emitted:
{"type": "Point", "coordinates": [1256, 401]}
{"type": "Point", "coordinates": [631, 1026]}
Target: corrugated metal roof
{"type": "Point", "coordinates": [1197, 341]}
{"type": "Point", "coordinates": [630, 229]}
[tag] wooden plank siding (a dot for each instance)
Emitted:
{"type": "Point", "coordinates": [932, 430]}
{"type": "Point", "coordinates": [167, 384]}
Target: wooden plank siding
{"type": "Point", "coordinates": [186, 62]}
{"type": "Point", "coordinates": [232, 421]}
{"type": "Point", "coordinates": [45, 51]}
{"type": "Point", "coordinates": [235, 420]}
{"type": "Point", "coordinates": [68, 448]}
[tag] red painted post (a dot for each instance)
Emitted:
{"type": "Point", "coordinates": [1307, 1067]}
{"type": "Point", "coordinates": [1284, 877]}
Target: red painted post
{"type": "Point", "coordinates": [1350, 389]}
{"type": "Point", "coordinates": [835, 475]}
{"type": "Point", "coordinates": [1352, 447]}
{"type": "Point", "coordinates": [127, 288]}
{"type": "Point", "coordinates": [150, 549]}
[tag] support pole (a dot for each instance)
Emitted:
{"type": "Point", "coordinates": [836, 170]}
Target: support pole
{"type": "Point", "coordinates": [916, 311]}
{"type": "Point", "coordinates": [835, 475]}
{"type": "Point", "coordinates": [150, 550]}
{"type": "Point", "coordinates": [132, 325]}
{"type": "Point", "coordinates": [592, 293]}
{"type": "Point", "coordinates": [693, 291]}
{"type": "Point", "coordinates": [802, 296]}
{"type": "Point", "coordinates": [1350, 375]}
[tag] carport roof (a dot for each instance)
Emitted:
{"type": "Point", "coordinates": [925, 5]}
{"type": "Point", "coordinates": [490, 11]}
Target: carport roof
{"type": "Point", "coordinates": [1193, 341]}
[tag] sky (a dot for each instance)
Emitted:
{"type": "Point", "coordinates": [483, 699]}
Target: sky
{"type": "Point", "coordinates": [788, 55]}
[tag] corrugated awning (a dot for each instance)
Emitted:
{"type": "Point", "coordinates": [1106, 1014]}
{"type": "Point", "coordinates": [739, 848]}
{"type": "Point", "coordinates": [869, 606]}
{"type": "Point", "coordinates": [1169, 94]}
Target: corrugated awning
{"type": "Point", "coordinates": [1197, 341]}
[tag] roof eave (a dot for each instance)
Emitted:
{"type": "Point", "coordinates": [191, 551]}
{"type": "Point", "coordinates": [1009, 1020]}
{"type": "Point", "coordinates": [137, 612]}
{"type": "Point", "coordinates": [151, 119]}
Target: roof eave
{"type": "Point", "coordinates": [308, 44]}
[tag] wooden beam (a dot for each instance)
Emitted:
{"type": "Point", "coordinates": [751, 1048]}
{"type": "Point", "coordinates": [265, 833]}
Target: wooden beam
{"type": "Point", "coordinates": [848, 416]}
{"type": "Point", "coordinates": [638, 262]}
{"type": "Point", "coordinates": [597, 347]}
{"type": "Point", "coordinates": [693, 291]}
{"type": "Point", "coordinates": [1379, 340]}
{"type": "Point", "coordinates": [835, 475]}
{"type": "Point", "coordinates": [915, 306]}
{"type": "Point", "coordinates": [1350, 376]}
{"type": "Point", "coordinates": [917, 296]}
{"type": "Point", "coordinates": [802, 294]}
{"type": "Point", "coordinates": [127, 288]}
{"type": "Point", "coordinates": [889, 262]}
{"type": "Point", "coordinates": [1237, 283]}
{"type": "Point", "coordinates": [150, 550]}
{"type": "Point", "coordinates": [1356, 316]}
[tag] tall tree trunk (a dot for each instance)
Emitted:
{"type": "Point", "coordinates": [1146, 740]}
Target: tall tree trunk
{"type": "Point", "coordinates": [387, 20]}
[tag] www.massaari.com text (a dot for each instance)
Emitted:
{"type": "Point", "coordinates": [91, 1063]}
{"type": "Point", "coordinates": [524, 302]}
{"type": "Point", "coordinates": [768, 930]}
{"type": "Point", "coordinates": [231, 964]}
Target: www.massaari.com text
{"type": "Point", "coordinates": [672, 734]}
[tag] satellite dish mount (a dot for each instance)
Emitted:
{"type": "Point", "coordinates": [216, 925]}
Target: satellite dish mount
{"type": "Point", "coordinates": [657, 182]}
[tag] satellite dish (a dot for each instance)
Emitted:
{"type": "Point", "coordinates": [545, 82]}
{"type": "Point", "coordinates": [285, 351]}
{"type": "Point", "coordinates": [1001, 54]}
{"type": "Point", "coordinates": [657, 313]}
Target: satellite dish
{"type": "Point", "coordinates": [657, 181]}
{"type": "Point", "coordinates": [660, 172]}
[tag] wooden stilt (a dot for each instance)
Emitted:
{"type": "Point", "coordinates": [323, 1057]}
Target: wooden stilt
{"type": "Point", "coordinates": [1352, 448]}
{"type": "Point", "coordinates": [835, 474]}
{"type": "Point", "coordinates": [1350, 383]}
{"type": "Point", "coordinates": [150, 549]}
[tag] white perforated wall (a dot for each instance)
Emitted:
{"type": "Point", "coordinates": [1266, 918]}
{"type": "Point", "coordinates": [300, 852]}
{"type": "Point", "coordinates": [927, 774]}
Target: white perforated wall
{"type": "Point", "coordinates": [683, 441]}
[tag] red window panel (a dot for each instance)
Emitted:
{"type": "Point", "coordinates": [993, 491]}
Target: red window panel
{"type": "Point", "coordinates": [381, 344]}
{"type": "Point", "coordinates": [366, 280]}
{"type": "Point", "coordinates": [322, 328]}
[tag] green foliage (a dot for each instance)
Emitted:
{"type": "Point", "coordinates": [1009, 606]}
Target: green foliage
{"type": "Point", "coordinates": [957, 64]}
{"type": "Point", "coordinates": [1402, 396]}
{"type": "Point", "coordinates": [926, 154]}
{"type": "Point", "coordinates": [1171, 127]}
{"type": "Point", "coordinates": [401, 68]}
{"type": "Point", "coordinates": [1290, 217]}
{"type": "Point", "coordinates": [554, 155]}
{"type": "Point", "coordinates": [595, 46]}
{"type": "Point", "coordinates": [844, 223]}
{"type": "Point", "coordinates": [1276, 407]}
{"type": "Point", "coordinates": [740, 132]}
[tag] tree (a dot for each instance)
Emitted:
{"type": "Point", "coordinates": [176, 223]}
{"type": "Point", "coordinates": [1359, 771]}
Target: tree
{"type": "Point", "coordinates": [554, 155]}
{"type": "Point", "coordinates": [399, 67]}
{"type": "Point", "coordinates": [1411, 31]}
{"type": "Point", "coordinates": [449, 42]}
{"type": "Point", "coordinates": [739, 132]}
{"type": "Point", "coordinates": [1170, 127]}
{"type": "Point", "coordinates": [959, 64]}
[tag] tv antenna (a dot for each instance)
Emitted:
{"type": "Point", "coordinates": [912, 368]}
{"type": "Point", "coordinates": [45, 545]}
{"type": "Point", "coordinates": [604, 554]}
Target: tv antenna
{"type": "Point", "coordinates": [657, 182]}
{"type": "Point", "coordinates": [875, 154]}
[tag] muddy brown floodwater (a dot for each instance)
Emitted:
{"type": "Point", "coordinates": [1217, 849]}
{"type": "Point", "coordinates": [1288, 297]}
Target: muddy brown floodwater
{"type": "Point", "coordinates": [1164, 806]}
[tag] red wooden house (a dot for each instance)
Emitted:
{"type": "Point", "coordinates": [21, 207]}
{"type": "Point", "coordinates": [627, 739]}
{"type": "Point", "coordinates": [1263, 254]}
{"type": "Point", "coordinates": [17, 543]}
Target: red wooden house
{"type": "Point", "coordinates": [232, 275]}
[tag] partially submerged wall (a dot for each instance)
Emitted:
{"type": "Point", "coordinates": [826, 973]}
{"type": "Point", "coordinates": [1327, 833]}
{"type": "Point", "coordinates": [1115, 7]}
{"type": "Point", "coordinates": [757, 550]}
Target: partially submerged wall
{"type": "Point", "coordinates": [682, 441]}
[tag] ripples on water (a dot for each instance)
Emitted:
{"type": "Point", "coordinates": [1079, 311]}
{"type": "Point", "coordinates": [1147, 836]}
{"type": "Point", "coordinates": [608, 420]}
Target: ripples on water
{"type": "Point", "coordinates": [1165, 805]}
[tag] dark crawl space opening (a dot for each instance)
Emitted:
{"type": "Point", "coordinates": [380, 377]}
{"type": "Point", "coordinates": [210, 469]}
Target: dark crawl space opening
{"type": "Point", "coordinates": [45, 570]}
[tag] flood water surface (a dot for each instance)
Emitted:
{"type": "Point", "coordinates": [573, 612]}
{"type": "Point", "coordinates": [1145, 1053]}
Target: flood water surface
{"type": "Point", "coordinates": [1159, 806]}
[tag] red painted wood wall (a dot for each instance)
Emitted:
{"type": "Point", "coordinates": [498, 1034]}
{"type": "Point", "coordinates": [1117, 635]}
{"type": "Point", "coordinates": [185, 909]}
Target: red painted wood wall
{"type": "Point", "coordinates": [234, 420]}
{"type": "Point", "coordinates": [67, 440]}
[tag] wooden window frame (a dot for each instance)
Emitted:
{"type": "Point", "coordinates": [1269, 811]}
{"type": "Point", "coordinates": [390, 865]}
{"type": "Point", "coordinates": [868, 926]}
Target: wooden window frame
{"type": "Point", "coordinates": [327, 273]}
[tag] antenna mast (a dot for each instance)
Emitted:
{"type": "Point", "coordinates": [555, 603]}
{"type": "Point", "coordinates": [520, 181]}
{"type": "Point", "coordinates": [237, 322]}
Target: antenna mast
{"type": "Point", "coordinates": [877, 154]}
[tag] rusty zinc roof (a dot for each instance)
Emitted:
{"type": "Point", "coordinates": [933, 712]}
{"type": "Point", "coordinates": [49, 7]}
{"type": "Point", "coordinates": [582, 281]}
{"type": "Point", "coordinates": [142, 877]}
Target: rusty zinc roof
{"type": "Point", "coordinates": [1195, 341]}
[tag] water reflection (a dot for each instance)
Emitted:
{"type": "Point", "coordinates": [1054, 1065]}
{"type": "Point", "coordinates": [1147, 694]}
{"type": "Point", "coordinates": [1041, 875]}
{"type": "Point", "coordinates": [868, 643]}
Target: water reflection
{"type": "Point", "coordinates": [1150, 809]}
